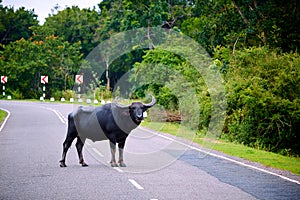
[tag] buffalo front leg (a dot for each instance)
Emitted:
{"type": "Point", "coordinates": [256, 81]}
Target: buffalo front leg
{"type": "Point", "coordinates": [113, 162]}
{"type": "Point", "coordinates": [66, 145]}
{"type": "Point", "coordinates": [79, 147]}
{"type": "Point", "coordinates": [121, 151]}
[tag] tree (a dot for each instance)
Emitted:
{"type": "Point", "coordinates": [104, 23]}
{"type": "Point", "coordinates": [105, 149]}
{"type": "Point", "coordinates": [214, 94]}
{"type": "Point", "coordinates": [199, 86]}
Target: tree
{"type": "Point", "coordinates": [74, 25]}
{"type": "Point", "coordinates": [124, 15]}
{"type": "Point", "coordinates": [177, 85]}
{"type": "Point", "coordinates": [24, 61]}
{"type": "Point", "coordinates": [244, 23]}
{"type": "Point", "coordinates": [268, 23]}
{"type": "Point", "coordinates": [15, 25]}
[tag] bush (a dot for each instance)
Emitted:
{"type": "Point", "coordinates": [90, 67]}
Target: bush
{"type": "Point", "coordinates": [56, 94]}
{"type": "Point", "coordinates": [263, 88]}
{"type": "Point", "coordinates": [102, 93]}
{"type": "Point", "coordinates": [67, 94]}
{"type": "Point", "coordinates": [17, 94]}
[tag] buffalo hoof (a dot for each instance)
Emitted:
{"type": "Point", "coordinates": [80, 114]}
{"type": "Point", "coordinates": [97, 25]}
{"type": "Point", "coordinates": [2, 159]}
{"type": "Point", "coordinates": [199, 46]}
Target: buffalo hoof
{"type": "Point", "coordinates": [113, 164]}
{"type": "Point", "coordinates": [122, 164]}
{"type": "Point", "coordinates": [62, 164]}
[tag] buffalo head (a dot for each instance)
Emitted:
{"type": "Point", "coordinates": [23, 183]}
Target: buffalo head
{"type": "Point", "coordinates": [136, 109]}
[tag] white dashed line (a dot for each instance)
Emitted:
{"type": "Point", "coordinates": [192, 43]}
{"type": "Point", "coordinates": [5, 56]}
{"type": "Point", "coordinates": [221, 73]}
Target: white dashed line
{"type": "Point", "coordinates": [133, 182]}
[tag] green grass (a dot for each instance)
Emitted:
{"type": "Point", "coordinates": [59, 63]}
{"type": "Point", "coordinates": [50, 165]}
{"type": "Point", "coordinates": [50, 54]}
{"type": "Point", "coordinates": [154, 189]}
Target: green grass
{"type": "Point", "coordinates": [269, 159]}
{"type": "Point", "coordinates": [2, 116]}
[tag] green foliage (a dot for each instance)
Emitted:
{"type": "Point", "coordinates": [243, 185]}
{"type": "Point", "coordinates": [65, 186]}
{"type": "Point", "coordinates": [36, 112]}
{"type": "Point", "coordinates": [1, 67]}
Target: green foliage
{"type": "Point", "coordinates": [67, 94]}
{"type": "Point", "coordinates": [16, 94]}
{"type": "Point", "coordinates": [122, 15]}
{"type": "Point", "coordinates": [56, 94]}
{"type": "Point", "coordinates": [143, 13]}
{"type": "Point", "coordinates": [32, 58]}
{"type": "Point", "coordinates": [73, 25]}
{"type": "Point", "coordinates": [244, 23]}
{"type": "Point", "coordinates": [14, 24]}
{"type": "Point", "coordinates": [101, 93]}
{"type": "Point", "coordinates": [263, 88]}
{"type": "Point", "coordinates": [177, 85]}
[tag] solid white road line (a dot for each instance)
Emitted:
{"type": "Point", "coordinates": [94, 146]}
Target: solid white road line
{"type": "Point", "coordinates": [223, 157]}
{"type": "Point", "coordinates": [63, 117]}
{"type": "Point", "coordinates": [6, 118]}
{"type": "Point", "coordinates": [97, 152]}
{"type": "Point", "coordinates": [133, 182]}
{"type": "Point", "coordinates": [87, 143]}
{"type": "Point", "coordinates": [58, 114]}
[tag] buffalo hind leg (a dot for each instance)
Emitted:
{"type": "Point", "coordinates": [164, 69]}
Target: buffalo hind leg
{"type": "Point", "coordinates": [113, 162]}
{"type": "Point", "coordinates": [79, 147]}
{"type": "Point", "coordinates": [66, 145]}
{"type": "Point", "coordinates": [121, 150]}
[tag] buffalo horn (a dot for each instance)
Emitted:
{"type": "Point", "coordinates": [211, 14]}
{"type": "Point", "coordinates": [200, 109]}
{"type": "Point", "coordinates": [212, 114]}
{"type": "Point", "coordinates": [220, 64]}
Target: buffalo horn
{"type": "Point", "coordinates": [119, 105]}
{"type": "Point", "coordinates": [153, 101]}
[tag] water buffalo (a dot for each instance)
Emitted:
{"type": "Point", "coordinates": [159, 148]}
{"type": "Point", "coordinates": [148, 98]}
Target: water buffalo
{"type": "Point", "coordinates": [111, 121]}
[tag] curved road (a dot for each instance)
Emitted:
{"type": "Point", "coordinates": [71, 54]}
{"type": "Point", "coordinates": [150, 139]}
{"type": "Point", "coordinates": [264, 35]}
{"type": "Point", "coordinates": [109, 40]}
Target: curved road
{"type": "Point", "coordinates": [31, 146]}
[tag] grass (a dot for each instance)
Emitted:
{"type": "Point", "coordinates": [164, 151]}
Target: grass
{"type": "Point", "coordinates": [268, 159]}
{"type": "Point", "coordinates": [2, 116]}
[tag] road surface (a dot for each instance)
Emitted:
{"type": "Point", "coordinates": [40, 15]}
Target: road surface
{"type": "Point", "coordinates": [158, 167]}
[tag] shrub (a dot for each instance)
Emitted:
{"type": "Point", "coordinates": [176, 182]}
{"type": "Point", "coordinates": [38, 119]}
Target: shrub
{"type": "Point", "coordinates": [102, 93]}
{"type": "Point", "coordinates": [263, 87]}
{"type": "Point", "coordinates": [56, 94]}
{"type": "Point", "coordinates": [17, 94]}
{"type": "Point", "coordinates": [67, 94]}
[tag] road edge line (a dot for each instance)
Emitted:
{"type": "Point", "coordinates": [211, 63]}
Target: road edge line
{"type": "Point", "coordinates": [6, 118]}
{"type": "Point", "coordinates": [58, 114]}
{"type": "Point", "coordinates": [223, 157]}
{"type": "Point", "coordinates": [97, 152]}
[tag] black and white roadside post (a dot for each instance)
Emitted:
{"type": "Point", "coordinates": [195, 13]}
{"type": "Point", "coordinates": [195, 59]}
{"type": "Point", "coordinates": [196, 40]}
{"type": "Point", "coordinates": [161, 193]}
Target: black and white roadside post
{"type": "Point", "coordinates": [44, 81]}
{"type": "Point", "coordinates": [79, 81]}
{"type": "Point", "coordinates": [3, 81]}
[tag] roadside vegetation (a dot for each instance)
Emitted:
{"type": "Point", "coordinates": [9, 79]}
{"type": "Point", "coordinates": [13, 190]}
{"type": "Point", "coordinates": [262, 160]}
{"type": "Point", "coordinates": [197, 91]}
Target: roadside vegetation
{"type": "Point", "coordinates": [254, 45]}
{"type": "Point", "coordinates": [2, 116]}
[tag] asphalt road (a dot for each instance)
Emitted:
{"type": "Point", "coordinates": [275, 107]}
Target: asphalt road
{"type": "Point", "coordinates": [158, 167]}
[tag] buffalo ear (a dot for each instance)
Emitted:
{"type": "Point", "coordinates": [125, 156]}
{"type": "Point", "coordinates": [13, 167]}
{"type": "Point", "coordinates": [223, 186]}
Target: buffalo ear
{"type": "Point", "coordinates": [145, 108]}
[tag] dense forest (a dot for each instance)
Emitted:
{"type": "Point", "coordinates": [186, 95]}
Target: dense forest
{"type": "Point", "coordinates": [253, 44]}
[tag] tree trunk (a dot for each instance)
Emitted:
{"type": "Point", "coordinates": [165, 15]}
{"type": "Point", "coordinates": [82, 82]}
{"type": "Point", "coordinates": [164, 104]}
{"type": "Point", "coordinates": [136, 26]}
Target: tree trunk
{"type": "Point", "coordinates": [151, 46]}
{"type": "Point", "coordinates": [107, 75]}
{"type": "Point", "coordinates": [240, 12]}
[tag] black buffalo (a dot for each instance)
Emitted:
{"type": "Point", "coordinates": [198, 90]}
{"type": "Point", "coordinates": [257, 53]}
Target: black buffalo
{"type": "Point", "coordinates": [111, 121]}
